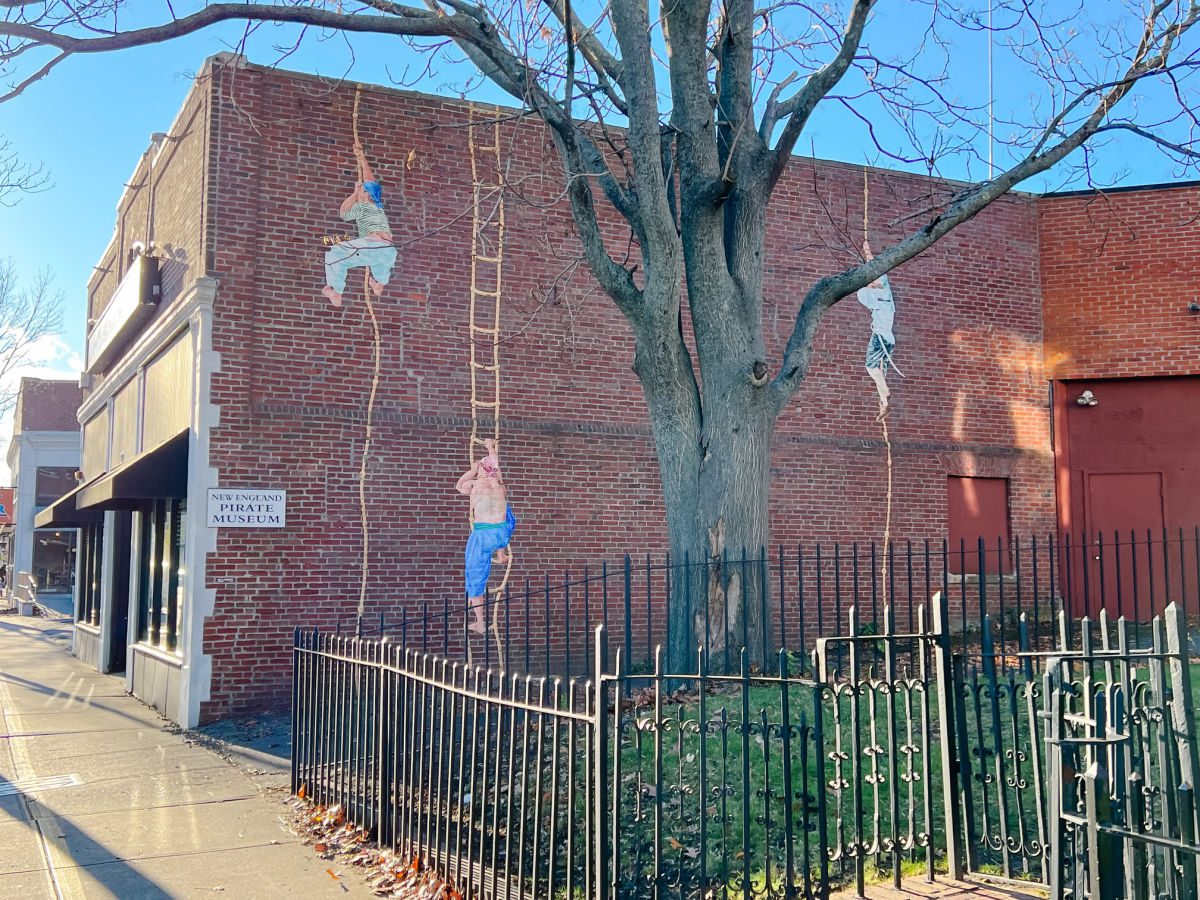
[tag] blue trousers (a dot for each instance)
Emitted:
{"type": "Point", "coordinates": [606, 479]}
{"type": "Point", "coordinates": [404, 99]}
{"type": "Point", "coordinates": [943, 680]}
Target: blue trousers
{"type": "Point", "coordinates": [485, 540]}
{"type": "Point", "coordinates": [380, 256]}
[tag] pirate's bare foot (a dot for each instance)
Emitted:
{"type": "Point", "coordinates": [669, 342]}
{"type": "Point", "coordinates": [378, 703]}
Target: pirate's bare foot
{"type": "Point", "coordinates": [334, 297]}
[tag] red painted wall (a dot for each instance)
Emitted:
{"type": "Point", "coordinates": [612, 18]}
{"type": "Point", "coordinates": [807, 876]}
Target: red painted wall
{"type": "Point", "coordinates": [1137, 426]}
{"type": "Point", "coordinates": [295, 373]}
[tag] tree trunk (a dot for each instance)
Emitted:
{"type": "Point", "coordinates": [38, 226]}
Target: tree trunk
{"type": "Point", "coordinates": [733, 518]}
{"type": "Point", "coordinates": [715, 470]}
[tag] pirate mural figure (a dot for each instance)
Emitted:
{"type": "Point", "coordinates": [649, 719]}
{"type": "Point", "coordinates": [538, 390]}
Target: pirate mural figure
{"type": "Point", "coordinates": [372, 247]}
{"type": "Point", "coordinates": [877, 297]}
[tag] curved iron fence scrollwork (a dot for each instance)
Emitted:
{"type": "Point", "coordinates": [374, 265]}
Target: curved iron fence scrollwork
{"type": "Point", "coordinates": [1078, 761]}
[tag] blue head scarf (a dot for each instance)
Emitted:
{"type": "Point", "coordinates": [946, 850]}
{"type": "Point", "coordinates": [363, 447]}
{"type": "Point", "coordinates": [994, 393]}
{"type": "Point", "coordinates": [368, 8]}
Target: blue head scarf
{"type": "Point", "coordinates": [375, 191]}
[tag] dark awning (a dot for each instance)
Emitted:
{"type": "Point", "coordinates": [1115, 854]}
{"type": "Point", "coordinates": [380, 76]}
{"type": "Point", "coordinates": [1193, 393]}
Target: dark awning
{"type": "Point", "coordinates": [158, 474]}
{"type": "Point", "coordinates": [65, 513]}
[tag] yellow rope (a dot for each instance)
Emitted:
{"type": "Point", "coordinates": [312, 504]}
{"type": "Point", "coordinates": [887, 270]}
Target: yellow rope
{"type": "Point", "coordinates": [370, 425]}
{"type": "Point", "coordinates": [486, 260]}
{"type": "Point", "coordinates": [887, 440]}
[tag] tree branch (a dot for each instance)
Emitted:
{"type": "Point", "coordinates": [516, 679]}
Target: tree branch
{"type": "Point", "coordinates": [799, 108]}
{"type": "Point", "coordinates": [607, 67]}
{"type": "Point", "coordinates": [404, 20]}
{"type": "Point", "coordinates": [970, 201]}
{"type": "Point", "coordinates": [632, 24]}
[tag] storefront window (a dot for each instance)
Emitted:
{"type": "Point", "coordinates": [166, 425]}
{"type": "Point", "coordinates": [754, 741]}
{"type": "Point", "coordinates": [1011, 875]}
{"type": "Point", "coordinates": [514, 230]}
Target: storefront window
{"type": "Point", "coordinates": [91, 544]}
{"type": "Point", "coordinates": [160, 583]}
{"type": "Point", "coordinates": [54, 560]}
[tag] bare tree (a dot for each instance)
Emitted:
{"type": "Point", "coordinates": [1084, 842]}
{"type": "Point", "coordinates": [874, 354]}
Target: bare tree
{"type": "Point", "coordinates": [27, 315]}
{"type": "Point", "coordinates": [711, 98]}
{"type": "Point", "coordinates": [18, 177]}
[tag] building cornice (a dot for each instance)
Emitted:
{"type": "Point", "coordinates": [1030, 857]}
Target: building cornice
{"type": "Point", "coordinates": [201, 294]}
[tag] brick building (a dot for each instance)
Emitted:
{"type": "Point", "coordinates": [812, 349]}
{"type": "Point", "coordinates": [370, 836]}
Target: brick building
{"type": "Point", "coordinates": [43, 457]}
{"type": "Point", "coordinates": [1122, 332]}
{"type": "Point", "coordinates": [216, 365]}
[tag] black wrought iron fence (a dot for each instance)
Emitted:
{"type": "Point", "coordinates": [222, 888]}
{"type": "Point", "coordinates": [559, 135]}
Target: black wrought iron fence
{"type": "Point", "coordinates": [687, 784]}
{"type": "Point", "coordinates": [543, 625]}
{"type": "Point", "coordinates": [1040, 729]}
{"type": "Point", "coordinates": [885, 739]}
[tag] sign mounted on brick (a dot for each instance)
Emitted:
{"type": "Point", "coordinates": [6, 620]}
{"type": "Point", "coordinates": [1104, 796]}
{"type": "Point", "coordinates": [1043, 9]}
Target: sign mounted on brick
{"type": "Point", "coordinates": [132, 304]}
{"type": "Point", "coordinates": [246, 508]}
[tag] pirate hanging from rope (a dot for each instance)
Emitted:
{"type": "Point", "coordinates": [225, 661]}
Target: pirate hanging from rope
{"type": "Point", "coordinates": [877, 297]}
{"type": "Point", "coordinates": [372, 247]}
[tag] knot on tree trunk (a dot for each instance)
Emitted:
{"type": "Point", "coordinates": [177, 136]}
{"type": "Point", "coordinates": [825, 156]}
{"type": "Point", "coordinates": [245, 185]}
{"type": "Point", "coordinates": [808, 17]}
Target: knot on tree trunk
{"type": "Point", "coordinates": [758, 373]}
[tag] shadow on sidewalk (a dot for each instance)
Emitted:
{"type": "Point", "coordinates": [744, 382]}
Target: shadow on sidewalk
{"type": "Point", "coordinates": [72, 848]}
{"type": "Point", "coordinates": [261, 743]}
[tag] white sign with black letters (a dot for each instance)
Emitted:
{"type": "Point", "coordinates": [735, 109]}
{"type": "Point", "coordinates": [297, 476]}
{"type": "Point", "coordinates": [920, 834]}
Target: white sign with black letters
{"type": "Point", "coordinates": [246, 508]}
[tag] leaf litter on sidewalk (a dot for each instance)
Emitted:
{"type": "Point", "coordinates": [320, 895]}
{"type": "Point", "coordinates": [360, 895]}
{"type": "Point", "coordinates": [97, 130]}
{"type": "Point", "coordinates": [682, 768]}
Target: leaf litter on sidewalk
{"type": "Point", "coordinates": [333, 838]}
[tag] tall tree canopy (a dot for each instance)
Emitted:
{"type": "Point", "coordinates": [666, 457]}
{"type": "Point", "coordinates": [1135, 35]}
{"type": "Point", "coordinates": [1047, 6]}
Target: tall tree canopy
{"type": "Point", "coordinates": [682, 117]}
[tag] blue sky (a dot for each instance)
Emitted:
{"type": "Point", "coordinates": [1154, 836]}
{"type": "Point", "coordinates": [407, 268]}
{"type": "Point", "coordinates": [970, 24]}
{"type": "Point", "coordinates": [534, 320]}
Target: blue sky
{"type": "Point", "coordinates": [91, 119]}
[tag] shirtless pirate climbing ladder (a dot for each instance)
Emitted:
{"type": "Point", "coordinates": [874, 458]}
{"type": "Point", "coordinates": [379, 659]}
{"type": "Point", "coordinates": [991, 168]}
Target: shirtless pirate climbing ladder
{"type": "Point", "coordinates": [493, 528]}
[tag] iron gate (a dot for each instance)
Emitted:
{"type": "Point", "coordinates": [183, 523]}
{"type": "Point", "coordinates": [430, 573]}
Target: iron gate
{"type": "Point", "coordinates": [1078, 761]}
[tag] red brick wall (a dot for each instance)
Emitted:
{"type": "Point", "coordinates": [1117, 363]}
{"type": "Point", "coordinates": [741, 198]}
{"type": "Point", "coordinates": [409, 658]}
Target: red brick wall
{"type": "Point", "coordinates": [295, 373]}
{"type": "Point", "coordinates": [1118, 273]}
{"type": "Point", "coordinates": [46, 405]}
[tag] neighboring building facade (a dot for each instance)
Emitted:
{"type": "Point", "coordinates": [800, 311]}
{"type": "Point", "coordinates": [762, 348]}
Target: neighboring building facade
{"type": "Point", "coordinates": [216, 369]}
{"type": "Point", "coordinates": [43, 457]}
{"type": "Point", "coordinates": [1122, 314]}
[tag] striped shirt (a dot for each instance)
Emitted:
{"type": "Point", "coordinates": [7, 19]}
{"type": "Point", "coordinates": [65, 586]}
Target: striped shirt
{"type": "Point", "coordinates": [882, 306]}
{"type": "Point", "coordinates": [367, 217]}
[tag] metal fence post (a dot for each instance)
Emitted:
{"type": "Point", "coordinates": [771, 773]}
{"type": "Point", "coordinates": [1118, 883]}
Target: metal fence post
{"type": "Point", "coordinates": [296, 700]}
{"type": "Point", "coordinates": [1056, 829]}
{"type": "Point", "coordinates": [1183, 718]}
{"type": "Point", "coordinates": [946, 727]}
{"type": "Point", "coordinates": [600, 760]}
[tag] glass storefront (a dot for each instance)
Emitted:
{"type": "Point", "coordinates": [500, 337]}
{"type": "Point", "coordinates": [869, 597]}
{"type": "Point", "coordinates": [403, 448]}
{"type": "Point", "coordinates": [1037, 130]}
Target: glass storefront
{"type": "Point", "coordinates": [160, 573]}
{"type": "Point", "coordinates": [91, 548]}
{"type": "Point", "coordinates": [54, 560]}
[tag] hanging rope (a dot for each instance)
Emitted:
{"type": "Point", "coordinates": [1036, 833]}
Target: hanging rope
{"type": "Point", "coordinates": [487, 264]}
{"type": "Point", "coordinates": [370, 424]}
{"type": "Point", "coordinates": [887, 440]}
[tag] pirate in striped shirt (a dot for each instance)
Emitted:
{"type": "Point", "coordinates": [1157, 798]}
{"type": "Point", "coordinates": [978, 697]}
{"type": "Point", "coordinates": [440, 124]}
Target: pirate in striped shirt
{"type": "Point", "coordinates": [372, 247]}
{"type": "Point", "coordinates": [877, 297]}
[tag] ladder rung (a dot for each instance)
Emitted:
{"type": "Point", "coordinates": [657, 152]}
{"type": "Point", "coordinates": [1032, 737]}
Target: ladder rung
{"type": "Point", "coordinates": [487, 259]}
{"type": "Point", "coordinates": [482, 293]}
{"type": "Point", "coordinates": [483, 330]}
{"type": "Point", "coordinates": [492, 403]}
{"type": "Point", "coordinates": [487, 148]}
{"type": "Point", "coordinates": [490, 367]}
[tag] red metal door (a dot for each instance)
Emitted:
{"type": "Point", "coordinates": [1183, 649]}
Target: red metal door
{"type": "Point", "coordinates": [1124, 576]}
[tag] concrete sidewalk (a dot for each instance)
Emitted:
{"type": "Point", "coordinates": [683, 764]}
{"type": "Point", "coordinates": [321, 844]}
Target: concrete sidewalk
{"type": "Point", "coordinates": [100, 798]}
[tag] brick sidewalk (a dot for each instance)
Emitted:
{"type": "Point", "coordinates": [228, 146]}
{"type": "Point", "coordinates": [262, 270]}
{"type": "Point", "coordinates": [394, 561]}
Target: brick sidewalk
{"type": "Point", "coordinates": [100, 798]}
